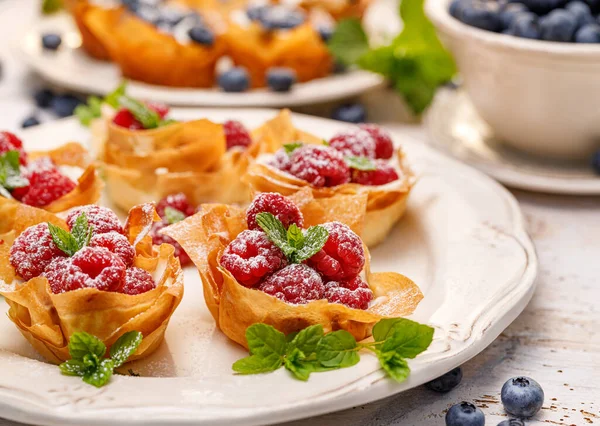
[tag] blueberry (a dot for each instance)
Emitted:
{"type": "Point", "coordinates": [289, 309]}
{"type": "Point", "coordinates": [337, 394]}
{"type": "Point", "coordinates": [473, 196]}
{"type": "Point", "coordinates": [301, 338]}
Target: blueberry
{"type": "Point", "coordinates": [43, 98]}
{"type": "Point", "coordinates": [255, 12]}
{"type": "Point", "coordinates": [64, 105]}
{"type": "Point", "coordinates": [325, 32]}
{"type": "Point", "coordinates": [455, 7]}
{"type": "Point", "coordinates": [511, 422]}
{"type": "Point", "coordinates": [350, 113]}
{"type": "Point", "coordinates": [51, 41]}
{"type": "Point", "coordinates": [559, 25]}
{"type": "Point", "coordinates": [582, 12]}
{"type": "Point", "coordinates": [447, 382]}
{"type": "Point", "coordinates": [202, 35]}
{"type": "Point", "coordinates": [481, 15]}
{"type": "Point", "coordinates": [596, 162]}
{"type": "Point", "coordinates": [526, 26]}
{"type": "Point", "coordinates": [280, 17]}
{"type": "Point", "coordinates": [522, 396]}
{"type": "Point", "coordinates": [281, 79]}
{"type": "Point", "coordinates": [234, 80]}
{"type": "Point", "coordinates": [30, 122]}
{"type": "Point", "coordinates": [465, 414]}
{"type": "Point", "coordinates": [542, 7]}
{"type": "Point", "coordinates": [510, 12]}
{"type": "Point", "coordinates": [589, 33]}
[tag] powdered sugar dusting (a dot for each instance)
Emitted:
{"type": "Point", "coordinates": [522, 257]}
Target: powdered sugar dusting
{"type": "Point", "coordinates": [295, 284]}
{"type": "Point", "coordinates": [355, 142]}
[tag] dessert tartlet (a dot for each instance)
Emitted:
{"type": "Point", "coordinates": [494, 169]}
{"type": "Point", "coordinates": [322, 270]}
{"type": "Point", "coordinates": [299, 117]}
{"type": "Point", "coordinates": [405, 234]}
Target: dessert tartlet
{"type": "Point", "coordinates": [86, 273]}
{"type": "Point", "coordinates": [258, 265]}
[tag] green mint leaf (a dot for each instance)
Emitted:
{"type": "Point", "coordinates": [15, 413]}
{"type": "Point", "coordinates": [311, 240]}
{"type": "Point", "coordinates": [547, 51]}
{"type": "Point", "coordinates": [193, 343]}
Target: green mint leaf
{"type": "Point", "coordinates": [360, 163]}
{"type": "Point", "coordinates": [394, 365]}
{"type": "Point", "coordinates": [173, 215]}
{"type": "Point", "coordinates": [402, 336]}
{"type": "Point", "coordinates": [264, 340]}
{"type": "Point", "coordinates": [73, 367]}
{"type": "Point", "coordinates": [124, 347]}
{"type": "Point", "coordinates": [291, 147]}
{"type": "Point", "coordinates": [64, 240]}
{"type": "Point", "coordinates": [112, 98]}
{"type": "Point", "coordinates": [148, 117]}
{"type": "Point", "coordinates": [325, 142]}
{"type": "Point", "coordinates": [338, 349]}
{"type": "Point", "coordinates": [255, 364]}
{"type": "Point", "coordinates": [86, 113]}
{"type": "Point", "coordinates": [51, 6]}
{"type": "Point", "coordinates": [82, 231]}
{"type": "Point", "coordinates": [314, 240]}
{"type": "Point", "coordinates": [13, 182]}
{"type": "Point", "coordinates": [167, 122]}
{"type": "Point", "coordinates": [90, 361]}
{"type": "Point", "coordinates": [295, 364]}
{"type": "Point", "coordinates": [82, 344]}
{"type": "Point", "coordinates": [306, 340]}
{"type": "Point", "coordinates": [101, 375]}
{"type": "Point", "coordinates": [295, 236]}
{"type": "Point", "coordinates": [349, 41]}
{"type": "Point", "coordinates": [10, 172]}
{"type": "Point", "coordinates": [4, 193]}
{"type": "Point", "coordinates": [275, 231]}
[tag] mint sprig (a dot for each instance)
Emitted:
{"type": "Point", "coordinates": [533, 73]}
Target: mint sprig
{"type": "Point", "coordinates": [71, 242]}
{"type": "Point", "coordinates": [360, 163]}
{"type": "Point", "coordinates": [145, 115]}
{"type": "Point", "coordinates": [296, 244]}
{"type": "Point", "coordinates": [311, 351]}
{"type": "Point", "coordinates": [291, 147]}
{"type": "Point", "coordinates": [93, 108]}
{"type": "Point", "coordinates": [173, 215]}
{"type": "Point", "coordinates": [10, 173]}
{"type": "Point", "coordinates": [87, 356]}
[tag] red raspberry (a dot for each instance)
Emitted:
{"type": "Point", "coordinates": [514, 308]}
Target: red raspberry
{"type": "Point", "coordinates": [252, 256]}
{"type": "Point", "coordinates": [158, 239]}
{"type": "Point", "coordinates": [236, 134]}
{"type": "Point", "coordinates": [124, 118]}
{"type": "Point", "coordinates": [276, 204]}
{"type": "Point", "coordinates": [384, 147]}
{"type": "Point", "coordinates": [281, 160]}
{"type": "Point", "coordinates": [102, 219]}
{"type": "Point", "coordinates": [10, 142]}
{"type": "Point", "coordinates": [98, 268]}
{"type": "Point", "coordinates": [296, 284]}
{"type": "Point", "coordinates": [175, 201]}
{"type": "Point", "coordinates": [342, 257]}
{"type": "Point", "coordinates": [115, 243]}
{"type": "Point", "coordinates": [45, 186]}
{"type": "Point", "coordinates": [319, 165]}
{"type": "Point", "coordinates": [385, 173]}
{"type": "Point", "coordinates": [354, 293]}
{"type": "Point", "coordinates": [32, 251]}
{"type": "Point", "coordinates": [138, 281]}
{"type": "Point", "coordinates": [354, 143]}
{"type": "Point", "coordinates": [62, 277]}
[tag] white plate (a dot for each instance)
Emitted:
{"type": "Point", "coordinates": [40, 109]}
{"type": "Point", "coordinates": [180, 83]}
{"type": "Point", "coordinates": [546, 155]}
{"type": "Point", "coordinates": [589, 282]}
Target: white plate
{"type": "Point", "coordinates": [71, 68]}
{"type": "Point", "coordinates": [455, 128]}
{"type": "Point", "coordinates": [462, 240]}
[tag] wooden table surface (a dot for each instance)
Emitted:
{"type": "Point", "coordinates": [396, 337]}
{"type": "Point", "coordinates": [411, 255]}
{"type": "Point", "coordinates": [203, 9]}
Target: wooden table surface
{"type": "Point", "coordinates": [556, 340]}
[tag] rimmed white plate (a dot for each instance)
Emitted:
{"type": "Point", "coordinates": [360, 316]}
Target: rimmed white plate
{"type": "Point", "coordinates": [463, 241]}
{"type": "Point", "coordinates": [455, 128]}
{"type": "Point", "coordinates": [71, 68]}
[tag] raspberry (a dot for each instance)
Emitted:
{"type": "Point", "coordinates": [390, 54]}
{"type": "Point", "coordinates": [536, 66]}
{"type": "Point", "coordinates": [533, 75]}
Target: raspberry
{"type": "Point", "coordinates": [138, 281]}
{"type": "Point", "coordinates": [158, 239]}
{"type": "Point", "coordinates": [252, 256]}
{"type": "Point", "coordinates": [32, 251]}
{"type": "Point", "coordinates": [10, 142]}
{"type": "Point", "coordinates": [45, 186]}
{"type": "Point", "coordinates": [385, 173]}
{"type": "Point", "coordinates": [281, 160]}
{"type": "Point", "coordinates": [296, 284]}
{"type": "Point", "coordinates": [353, 293]}
{"type": "Point", "coordinates": [175, 201]}
{"type": "Point", "coordinates": [61, 276]}
{"type": "Point", "coordinates": [236, 134]}
{"type": "Point", "coordinates": [102, 219]}
{"type": "Point", "coordinates": [354, 143]}
{"type": "Point", "coordinates": [276, 204]}
{"type": "Point", "coordinates": [98, 268]}
{"type": "Point", "coordinates": [319, 165]}
{"type": "Point", "coordinates": [124, 118]}
{"type": "Point", "coordinates": [115, 243]}
{"type": "Point", "coordinates": [384, 147]}
{"type": "Point", "coordinates": [342, 257]}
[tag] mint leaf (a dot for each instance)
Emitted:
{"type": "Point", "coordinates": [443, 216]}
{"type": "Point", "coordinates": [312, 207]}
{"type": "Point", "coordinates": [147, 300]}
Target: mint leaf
{"type": "Point", "coordinates": [51, 6]}
{"type": "Point", "coordinates": [295, 237]}
{"type": "Point", "coordinates": [404, 337]}
{"type": "Point", "coordinates": [338, 349]}
{"type": "Point", "coordinates": [148, 117]}
{"type": "Point", "coordinates": [360, 163]}
{"type": "Point", "coordinates": [124, 347]}
{"type": "Point", "coordinates": [255, 364]}
{"type": "Point", "coordinates": [82, 231]}
{"type": "Point", "coordinates": [112, 98]}
{"type": "Point", "coordinates": [101, 374]}
{"type": "Point", "coordinates": [275, 231]}
{"type": "Point", "coordinates": [307, 340]}
{"type": "Point", "coordinates": [167, 122]}
{"type": "Point", "coordinates": [64, 240]}
{"type": "Point", "coordinates": [295, 364]}
{"type": "Point", "coordinates": [82, 344]}
{"type": "Point", "coordinates": [73, 367]}
{"type": "Point", "coordinates": [264, 340]}
{"type": "Point", "coordinates": [10, 172]}
{"type": "Point", "coordinates": [325, 142]}
{"type": "Point", "coordinates": [173, 215]}
{"type": "Point", "coordinates": [349, 41]}
{"type": "Point", "coordinates": [393, 364]}
{"type": "Point", "coordinates": [86, 113]}
{"type": "Point", "coordinates": [291, 147]}
{"type": "Point", "coordinates": [314, 240]}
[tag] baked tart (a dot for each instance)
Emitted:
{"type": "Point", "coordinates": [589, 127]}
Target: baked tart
{"type": "Point", "coordinates": [86, 273]}
{"type": "Point", "coordinates": [291, 263]}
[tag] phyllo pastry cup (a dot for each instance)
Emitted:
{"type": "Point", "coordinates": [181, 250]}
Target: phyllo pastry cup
{"type": "Point", "coordinates": [235, 307]}
{"type": "Point", "coordinates": [48, 320]}
{"type": "Point", "coordinates": [90, 43]}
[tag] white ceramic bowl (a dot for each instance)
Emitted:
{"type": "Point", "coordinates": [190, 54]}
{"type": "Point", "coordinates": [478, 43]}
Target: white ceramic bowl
{"type": "Point", "coordinates": [540, 97]}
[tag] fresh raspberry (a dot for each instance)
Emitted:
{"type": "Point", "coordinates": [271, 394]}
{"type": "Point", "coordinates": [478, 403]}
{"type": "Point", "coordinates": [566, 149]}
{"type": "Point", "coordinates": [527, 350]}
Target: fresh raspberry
{"type": "Point", "coordinates": [45, 186]}
{"type": "Point", "coordinates": [138, 281]}
{"type": "Point", "coordinates": [98, 268]}
{"type": "Point", "coordinates": [319, 165]}
{"type": "Point", "coordinates": [281, 160]}
{"type": "Point", "coordinates": [354, 143]}
{"type": "Point", "coordinates": [236, 134]}
{"type": "Point", "coordinates": [276, 204]}
{"type": "Point", "coordinates": [385, 173]}
{"type": "Point", "coordinates": [353, 293]}
{"type": "Point", "coordinates": [61, 277]}
{"type": "Point", "coordinates": [296, 284]}
{"type": "Point", "coordinates": [175, 201]}
{"type": "Point", "coordinates": [115, 243]}
{"type": "Point", "coordinates": [102, 219]}
{"type": "Point", "coordinates": [384, 147]}
{"type": "Point", "coordinates": [252, 256]}
{"type": "Point", "coordinates": [10, 142]}
{"type": "Point", "coordinates": [124, 118]}
{"type": "Point", "coordinates": [158, 239]}
{"type": "Point", "coordinates": [342, 257]}
{"type": "Point", "coordinates": [33, 250]}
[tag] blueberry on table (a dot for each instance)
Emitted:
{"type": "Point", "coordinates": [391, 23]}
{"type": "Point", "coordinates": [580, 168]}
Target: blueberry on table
{"type": "Point", "coordinates": [511, 422]}
{"type": "Point", "coordinates": [43, 98]}
{"type": "Point", "coordinates": [30, 122]}
{"type": "Point", "coordinates": [447, 382]}
{"type": "Point", "coordinates": [589, 33]}
{"type": "Point", "coordinates": [281, 79]}
{"type": "Point", "coordinates": [202, 35]}
{"type": "Point", "coordinates": [510, 11]}
{"type": "Point", "coordinates": [280, 18]}
{"type": "Point", "coordinates": [465, 414]}
{"type": "Point", "coordinates": [522, 396]}
{"type": "Point", "coordinates": [350, 113]}
{"type": "Point", "coordinates": [526, 26]}
{"type": "Point", "coordinates": [51, 41]}
{"type": "Point", "coordinates": [234, 80]}
{"type": "Point", "coordinates": [64, 105]}
{"type": "Point", "coordinates": [481, 15]}
{"type": "Point", "coordinates": [596, 162]}
{"type": "Point", "coordinates": [558, 25]}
